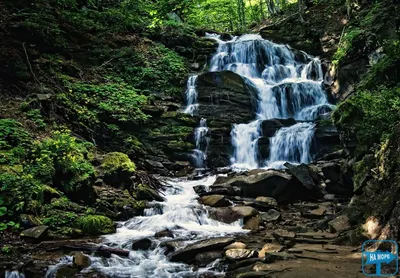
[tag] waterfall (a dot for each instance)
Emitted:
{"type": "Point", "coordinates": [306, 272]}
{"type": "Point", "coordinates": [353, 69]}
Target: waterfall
{"type": "Point", "coordinates": [291, 144]}
{"type": "Point", "coordinates": [201, 142]}
{"type": "Point", "coordinates": [191, 95]}
{"type": "Point", "coordinates": [289, 85]}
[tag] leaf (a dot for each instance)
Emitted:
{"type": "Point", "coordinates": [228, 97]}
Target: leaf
{"type": "Point", "coordinates": [3, 226]}
{"type": "Point", "coordinates": [3, 211]}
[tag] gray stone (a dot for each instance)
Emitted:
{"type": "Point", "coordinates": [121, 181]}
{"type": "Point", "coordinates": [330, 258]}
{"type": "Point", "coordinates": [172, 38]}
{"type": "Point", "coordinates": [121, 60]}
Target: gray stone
{"type": "Point", "coordinates": [214, 201]}
{"type": "Point", "coordinates": [38, 232]}
{"type": "Point", "coordinates": [189, 252]}
{"type": "Point", "coordinates": [270, 215]}
{"type": "Point", "coordinates": [206, 258]}
{"type": "Point", "coordinates": [252, 224]}
{"type": "Point", "coordinates": [245, 211]}
{"type": "Point", "coordinates": [339, 224]}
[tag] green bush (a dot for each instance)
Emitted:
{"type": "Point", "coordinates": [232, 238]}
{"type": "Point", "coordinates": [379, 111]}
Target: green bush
{"type": "Point", "coordinates": [94, 104]}
{"type": "Point", "coordinates": [63, 161]}
{"type": "Point", "coordinates": [369, 115]}
{"type": "Point", "coordinates": [96, 224]}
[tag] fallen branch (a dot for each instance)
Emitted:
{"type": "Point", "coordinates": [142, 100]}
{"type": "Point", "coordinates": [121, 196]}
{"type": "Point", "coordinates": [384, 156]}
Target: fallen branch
{"type": "Point", "coordinates": [29, 63]}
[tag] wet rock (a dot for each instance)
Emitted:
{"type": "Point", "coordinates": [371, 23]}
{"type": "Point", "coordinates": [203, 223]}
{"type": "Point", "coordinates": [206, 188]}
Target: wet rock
{"type": "Point", "coordinates": [240, 254]}
{"type": "Point", "coordinates": [269, 248]}
{"type": "Point", "coordinates": [252, 224]}
{"type": "Point", "coordinates": [81, 260]}
{"type": "Point", "coordinates": [270, 127]}
{"type": "Point", "coordinates": [187, 253]}
{"type": "Point", "coordinates": [270, 215]}
{"type": "Point", "coordinates": [337, 182]}
{"type": "Point", "coordinates": [147, 193]}
{"type": "Point", "coordinates": [269, 183]}
{"type": "Point", "coordinates": [245, 211]}
{"type": "Point", "coordinates": [302, 173]}
{"type": "Point", "coordinates": [265, 202]}
{"type": "Point", "coordinates": [164, 233]}
{"type": "Point", "coordinates": [236, 245]}
{"type": "Point", "coordinates": [226, 215]}
{"type": "Point", "coordinates": [171, 245]}
{"type": "Point", "coordinates": [141, 244]}
{"type": "Point", "coordinates": [339, 224]}
{"type": "Point", "coordinates": [215, 201]}
{"type": "Point", "coordinates": [66, 271]}
{"type": "Point", "coordinates": [199, 189]}
{"type": "Point", "coordinates": [318, 213]}
{"type": "Point", "coordinates": [206, 258]}
{"type": "Point", "coordinates": [36, 233]}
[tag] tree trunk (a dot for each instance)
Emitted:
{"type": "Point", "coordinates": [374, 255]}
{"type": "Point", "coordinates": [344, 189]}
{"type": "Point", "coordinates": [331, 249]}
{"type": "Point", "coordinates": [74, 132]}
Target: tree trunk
{"type": "Point", "coordinates": [301, 10]}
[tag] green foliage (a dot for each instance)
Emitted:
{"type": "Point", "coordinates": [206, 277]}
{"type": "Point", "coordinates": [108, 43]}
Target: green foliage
{"type": "Point", "coordinates": [369, 115]}
{"type": "Point", "coordinates": [111, 103]}
{"type": "Point", "coordinates": [35, 116]}
{"type": "Point", "coordinates": [349, 38]}
{"type": "Point", "coordinates": [115, 161]}
{"type": "Point", "coordinates": [96, 224]}
{"type": "Point", "coordinates": [63, 161]}
{"type": "Point", "coordinates": [152, 67]}
{"type": "Point", "coordinates": [386, 69]}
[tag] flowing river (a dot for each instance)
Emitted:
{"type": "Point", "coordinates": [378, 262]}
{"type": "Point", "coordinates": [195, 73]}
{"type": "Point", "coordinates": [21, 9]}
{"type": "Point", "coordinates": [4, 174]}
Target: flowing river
{"type": "Point", "coordinates": [289, 85]}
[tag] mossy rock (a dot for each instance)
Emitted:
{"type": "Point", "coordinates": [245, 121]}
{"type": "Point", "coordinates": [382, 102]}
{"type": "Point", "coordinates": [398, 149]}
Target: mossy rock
{"type": "Point", "coordinates": [96, 224]}
{"type": "Point", "coordinates": [144, 192]}
{"type": "Point", "coordinates": [117, 169]}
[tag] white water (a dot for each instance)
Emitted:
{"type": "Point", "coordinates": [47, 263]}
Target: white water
{"type": "Point", "coordinates": [191, 95]}
{"type": "Point", "coordinates": [182, 214]}
{"type": "Point", "coordinates": [288, 86]}
{"type": "Point", "coordinates": [202, 141]}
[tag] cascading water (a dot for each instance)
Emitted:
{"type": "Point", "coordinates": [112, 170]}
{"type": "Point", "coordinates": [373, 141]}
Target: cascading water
{"type": "Point", "coordinates": [181, 214]}
{"type": "Point", "coordinates": [191, 95]}
{"type": "Point", "coordinates": [289, 85]}
{"type": "Point", "coordinates": [201, 140]}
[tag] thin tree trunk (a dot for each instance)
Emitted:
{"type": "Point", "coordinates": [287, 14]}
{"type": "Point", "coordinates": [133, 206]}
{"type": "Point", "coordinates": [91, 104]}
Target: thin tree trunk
{"type": "Point", "coordinates": [301, 10]}
{"type": "Point", "coordinates": [262, 11]}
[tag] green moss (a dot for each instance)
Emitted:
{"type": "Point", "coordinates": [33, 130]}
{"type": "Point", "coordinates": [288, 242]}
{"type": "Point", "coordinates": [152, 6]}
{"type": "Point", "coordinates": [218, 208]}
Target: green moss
{"type": "Point", "coordinates": [180, 145]}
{"type": "Point", "coordinates": [96, 224]}
{"type": "Point", "coordinates": [361, 170]}
{"type": "Point", "coordinates": [115, 161]}
{"type": "Point", "coordinates": [351, 37]}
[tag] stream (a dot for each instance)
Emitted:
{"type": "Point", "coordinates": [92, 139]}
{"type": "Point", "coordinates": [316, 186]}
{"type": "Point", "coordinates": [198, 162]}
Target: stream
{"type": "Point", "coordinates": [289, 85]}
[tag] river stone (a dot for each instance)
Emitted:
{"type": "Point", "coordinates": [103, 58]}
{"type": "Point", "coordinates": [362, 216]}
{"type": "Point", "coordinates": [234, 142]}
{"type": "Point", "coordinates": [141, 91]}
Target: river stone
{"type": "Point", "coordinates": [205, 258]}
{"type": "Point", "coordinates": [271, 126]}
{"type": "Point", "coordinates": [172, 245]}
{"type": "Point", "coordinates": [37, 232]}
{"type": "Point", "coordinates": [236, 245]}
{"type": "Point", "coordinates": [81, 260]}
{"type": "Point", "coordinates": [215, 201]}
{"type": "Point", "coordinates": [188, 253]}
{"type": "Point", "coordinates": [164, 233]}
{"type": "Point", "coordinates": [225, 214]}
{"type": "Point", "coordinates": [266, 202]}
{"type": "Point", "coordinates": [270, 215]}
{"type": "Point", "coordinates": [269, 248]}
{"type": "Point", "coordinates": [339, 224]}
{"type": "Point", "coordinates": [245, 211]}
{"type": "Point", "coordinates": [240, 254]}
{"type": "Point", "coordinates": [141, 244]}
{"type": "Point", "coordinates": [252, 224]}
{"type": "Point", "coordinates": [199, 189]}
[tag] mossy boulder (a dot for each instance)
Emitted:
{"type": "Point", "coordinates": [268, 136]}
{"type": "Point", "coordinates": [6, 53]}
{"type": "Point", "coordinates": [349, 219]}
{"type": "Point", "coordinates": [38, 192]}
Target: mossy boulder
{"type": "Point", "coordinates": [117, 169]}
{"type": "Point", "coordinates": [96, 224]}
{"type": "Point", "coordinates": [144, 192]}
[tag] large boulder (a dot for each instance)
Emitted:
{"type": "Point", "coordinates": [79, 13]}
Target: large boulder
{"type": "Point", "coordinates": [224, 98]}
{"type": "Point", "coordinates": [225, 215]}
{"type": "Point", "coordinates": [188, 253]}
{"type": "Point", "coordinates": [269, 183]}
